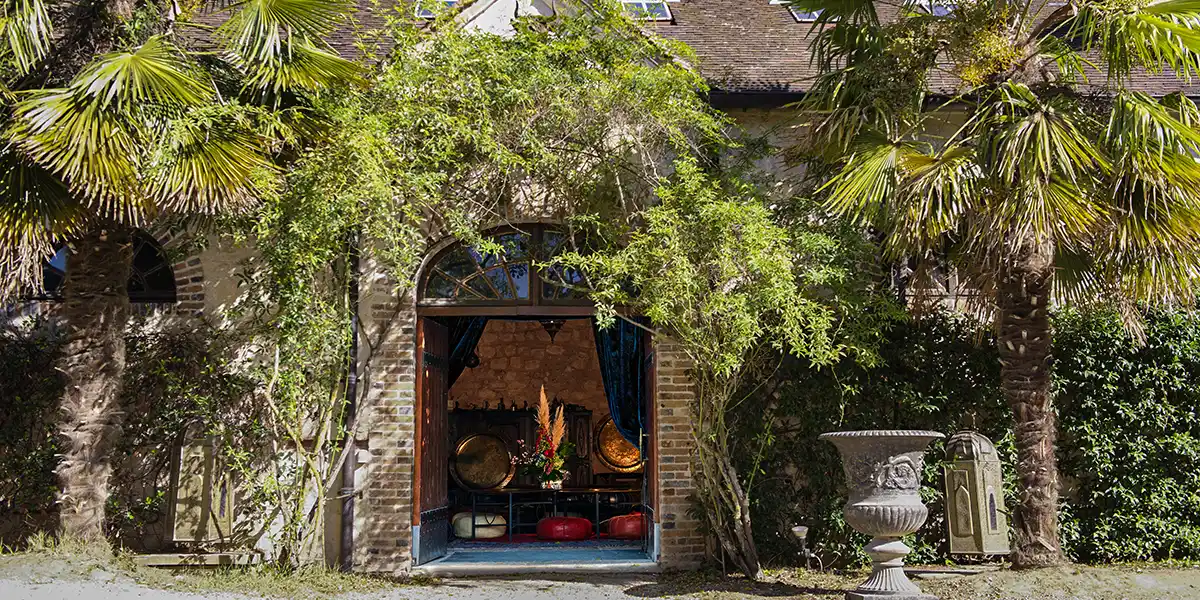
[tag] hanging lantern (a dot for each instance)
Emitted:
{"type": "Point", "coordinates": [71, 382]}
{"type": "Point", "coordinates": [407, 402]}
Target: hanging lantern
{"type": "Point", "coordinates": [552, 327]}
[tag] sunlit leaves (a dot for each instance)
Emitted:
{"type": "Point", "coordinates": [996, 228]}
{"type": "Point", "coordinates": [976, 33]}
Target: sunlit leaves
{"type": "Point", "coordinates": [154, 72]}
{"type": "Point", "coordinates": [1156, 36]}
{"type": "Point", "coordinates": [280, 43]}
{"type": "Point", "coordinates": [208, 164]}
{"type": "Point", "coordinates": [304, 67]}
{"type": "Point", "coordinates": [27, 31]}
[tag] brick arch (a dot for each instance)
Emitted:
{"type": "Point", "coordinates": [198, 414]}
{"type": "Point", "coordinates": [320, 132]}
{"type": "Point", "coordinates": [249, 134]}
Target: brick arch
{"type": "Point", "coordinates": [188, 269]}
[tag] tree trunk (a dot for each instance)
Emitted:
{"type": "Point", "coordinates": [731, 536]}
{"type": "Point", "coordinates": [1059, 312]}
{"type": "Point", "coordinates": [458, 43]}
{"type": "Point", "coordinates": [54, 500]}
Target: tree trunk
{"type": "Point", "coordinates": [96, 309]}
{"type": "Point", "coordinates": [1024, 340]}
{"type": "Point", "coordinates": [725, 502]}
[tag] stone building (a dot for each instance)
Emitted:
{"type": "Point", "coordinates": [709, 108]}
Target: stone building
{"type": "Point", "coordinates": [422, 407]}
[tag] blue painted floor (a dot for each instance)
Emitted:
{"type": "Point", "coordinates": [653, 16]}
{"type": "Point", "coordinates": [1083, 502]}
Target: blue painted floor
{"type": "Point", "coordinates": [546, 556]}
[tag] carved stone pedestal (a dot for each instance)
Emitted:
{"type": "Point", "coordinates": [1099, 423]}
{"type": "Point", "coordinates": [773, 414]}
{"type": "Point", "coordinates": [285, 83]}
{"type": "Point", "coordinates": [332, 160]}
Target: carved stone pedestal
{"type": "Point", "coordinates": [883, 472]}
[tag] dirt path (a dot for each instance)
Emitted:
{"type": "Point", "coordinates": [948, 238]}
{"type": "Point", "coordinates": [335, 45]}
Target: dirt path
{"type": "Point", "coordinates": [33, 577]}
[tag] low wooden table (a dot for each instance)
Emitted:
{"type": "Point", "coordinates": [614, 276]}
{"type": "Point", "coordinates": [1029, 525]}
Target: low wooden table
{"type": "Point", "coordinates": [520, 497]}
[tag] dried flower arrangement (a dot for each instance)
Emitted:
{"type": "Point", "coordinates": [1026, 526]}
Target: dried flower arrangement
{"type": "Point", "coordinates": [548, 458]}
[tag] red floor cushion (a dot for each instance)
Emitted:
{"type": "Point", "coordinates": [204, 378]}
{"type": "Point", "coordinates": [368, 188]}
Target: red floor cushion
{"type": "Point", "coordinates": [627, 527]}
{"type": "Point", "coordinates": [564, 529]}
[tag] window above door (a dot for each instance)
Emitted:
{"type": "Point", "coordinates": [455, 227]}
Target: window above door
{"type": "Point", "coordinates": [464, 275]}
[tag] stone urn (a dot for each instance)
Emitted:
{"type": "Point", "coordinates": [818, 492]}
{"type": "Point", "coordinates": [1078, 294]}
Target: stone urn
{"type": "Point", "coordinates": [883, 472]}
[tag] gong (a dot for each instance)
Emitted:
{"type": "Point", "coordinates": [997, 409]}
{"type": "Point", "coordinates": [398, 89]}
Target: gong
{"type": "Point", "coordinates": [482, 462]}
{"type": "Point", "coordinates": [614, 450]}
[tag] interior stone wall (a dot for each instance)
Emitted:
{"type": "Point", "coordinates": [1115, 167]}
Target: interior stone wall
{"type": "Point", "coordinates": [517, 357]}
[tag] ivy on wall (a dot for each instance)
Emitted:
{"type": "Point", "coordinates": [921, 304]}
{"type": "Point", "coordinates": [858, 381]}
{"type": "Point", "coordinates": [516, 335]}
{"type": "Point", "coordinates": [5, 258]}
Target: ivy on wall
{"type": "Point", "coordinates": [178, 384]}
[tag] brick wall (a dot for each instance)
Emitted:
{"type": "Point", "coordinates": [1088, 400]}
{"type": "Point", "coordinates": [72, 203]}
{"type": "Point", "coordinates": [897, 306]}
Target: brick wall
{"type": "Point", "coordinates": [383, 510]}
{"type": "Point", "coordinates": [681, 544]}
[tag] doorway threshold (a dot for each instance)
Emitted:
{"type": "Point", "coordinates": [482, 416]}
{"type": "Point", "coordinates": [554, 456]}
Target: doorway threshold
{"type": "Point", "coordinates": [469, 563]}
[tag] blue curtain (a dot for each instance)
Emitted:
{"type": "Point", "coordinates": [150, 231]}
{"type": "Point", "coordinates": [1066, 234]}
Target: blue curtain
{"type": "Point", "coordinates": [621, 349]}
{"type": "Point", "coordinates": [464, 337]}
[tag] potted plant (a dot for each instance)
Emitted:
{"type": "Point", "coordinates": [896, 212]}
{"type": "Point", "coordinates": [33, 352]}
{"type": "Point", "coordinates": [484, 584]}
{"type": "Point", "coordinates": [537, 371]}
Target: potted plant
{"type": "Point", "coordinates": [547, 459]}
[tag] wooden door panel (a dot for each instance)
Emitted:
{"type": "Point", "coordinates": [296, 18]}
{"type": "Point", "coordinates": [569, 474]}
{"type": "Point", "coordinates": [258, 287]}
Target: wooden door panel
{"type": "Point", "coordinates": [431, 517]}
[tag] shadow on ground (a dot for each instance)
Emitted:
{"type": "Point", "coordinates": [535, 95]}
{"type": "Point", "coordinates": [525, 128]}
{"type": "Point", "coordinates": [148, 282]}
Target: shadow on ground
{"type": "Point", "coordinates": [684, 584]}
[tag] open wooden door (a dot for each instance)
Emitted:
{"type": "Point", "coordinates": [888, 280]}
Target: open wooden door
{"type": "Point", "coordinates": [650, 449]}
{"type": "Point", "coordinates": [431, 518]}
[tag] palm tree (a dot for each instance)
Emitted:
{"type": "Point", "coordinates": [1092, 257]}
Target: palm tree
{"type": "Point", "coordinates": [1008, 140]}
{"type": "Point", "coordinates": [111, 123]}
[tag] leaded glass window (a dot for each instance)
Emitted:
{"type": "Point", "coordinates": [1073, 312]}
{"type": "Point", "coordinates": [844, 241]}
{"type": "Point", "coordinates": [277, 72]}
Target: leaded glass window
{"type": "Point", "coordinates": [151, 279]}
{"type": "Point", "coordinates": [465, 275]}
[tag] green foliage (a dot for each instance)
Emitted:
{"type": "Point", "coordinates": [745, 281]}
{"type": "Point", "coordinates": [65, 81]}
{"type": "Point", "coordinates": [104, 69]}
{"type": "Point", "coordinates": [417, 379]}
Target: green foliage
{"type": "Point", "coordinates": [456, 130]}
{"type": "Point", "coordinates": [29, 390]}
{"type": "Point", "coordinates": [1130, 436]}
{"type": "Point", "coordinates": [178, 385]}
{"type": "Point", "coordinates": [1129, 449]}
{"type": "Point", "coordinates": [710, 266]}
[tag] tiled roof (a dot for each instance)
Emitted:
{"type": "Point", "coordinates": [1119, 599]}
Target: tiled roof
{"type": "Point", "coordinates": [744, 47]}
{"type": "Point", "coordinates": [755, 47]}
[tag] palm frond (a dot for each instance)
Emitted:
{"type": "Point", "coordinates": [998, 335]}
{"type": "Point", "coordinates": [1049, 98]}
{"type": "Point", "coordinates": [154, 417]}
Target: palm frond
{"type": "Point", "coordinates": [152, 73]}
{"type": "Point", "coordinates": [937, 191]}
{"type": "Point", "coordinates": [304, 67]}
{"type": "Point", "coordinates": [28, 31]}
{"type": "Point", "coordinates": [279, 42]}
{"type": "Point", "coordinates": [1067, 60]}
{"type": "Point", "coordinates": [1139, 124]}
{"type": "Point", "coordinates": [1157, 36]}
{"type": "Point", "coordinates": [36, 212]}
{"type": "Point", "coordinates": [868, 179]}
{"type": "Point", "coordinates": [88, 133]}
{"type": "Point", "coordinates": [208, 166]}
{"type": "Point", "coordinates": [1029, 140]}
{"type": "Point", "coordinates": [90, 147]}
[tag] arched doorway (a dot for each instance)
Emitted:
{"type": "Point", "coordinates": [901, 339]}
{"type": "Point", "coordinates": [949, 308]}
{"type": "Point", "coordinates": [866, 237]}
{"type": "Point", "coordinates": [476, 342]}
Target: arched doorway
{"type": "Point", "coordinates": [492, 329]}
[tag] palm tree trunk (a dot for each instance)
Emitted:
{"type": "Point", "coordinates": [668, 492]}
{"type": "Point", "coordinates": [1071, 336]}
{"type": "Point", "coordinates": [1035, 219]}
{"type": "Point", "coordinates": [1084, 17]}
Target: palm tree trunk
{"type": "Point", "coordinates": [96, 310]}
{"type": "Point", "coordinates": [1024, 340]}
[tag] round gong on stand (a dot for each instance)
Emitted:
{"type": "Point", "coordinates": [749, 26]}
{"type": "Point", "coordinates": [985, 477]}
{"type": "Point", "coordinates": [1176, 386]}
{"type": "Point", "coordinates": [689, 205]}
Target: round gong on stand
{"type": "Point", "coordinates": [614, 450]}
{"type": "Point", "coordinates": [482, 461]}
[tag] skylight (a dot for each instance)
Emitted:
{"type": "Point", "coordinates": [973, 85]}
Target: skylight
{"type": "Point", "coordinates": [801, 15]}
{"type": "Point", "coordinates": [426, 8]}
{"type": "Point", "coordinates": [937, 8]}
{"type": "Point", "coordinates": [648, 10]}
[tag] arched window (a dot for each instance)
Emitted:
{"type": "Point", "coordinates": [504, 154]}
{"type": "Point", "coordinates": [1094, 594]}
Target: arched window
{"type": "Point", "coordinates": [464, 275]}
{"type": "Point", "coordinates": [151, 281]}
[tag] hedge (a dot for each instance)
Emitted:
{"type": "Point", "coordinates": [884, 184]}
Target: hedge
{"type": "Point", "coordinates": [1129, 444]}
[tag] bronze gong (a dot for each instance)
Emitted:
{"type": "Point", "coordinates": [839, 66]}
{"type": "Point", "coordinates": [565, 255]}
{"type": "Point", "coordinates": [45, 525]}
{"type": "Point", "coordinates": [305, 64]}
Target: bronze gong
{"type": "Point", "coordinates": [614, 450]}
{"type": "Point", "coordinates": [482, 462]}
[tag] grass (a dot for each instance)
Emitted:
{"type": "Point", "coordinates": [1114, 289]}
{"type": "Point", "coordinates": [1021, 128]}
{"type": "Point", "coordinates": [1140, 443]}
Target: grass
{"type": "Point", "coordinates": [45, 559]}
{"type": "Point", "coordinates": [266, 581]}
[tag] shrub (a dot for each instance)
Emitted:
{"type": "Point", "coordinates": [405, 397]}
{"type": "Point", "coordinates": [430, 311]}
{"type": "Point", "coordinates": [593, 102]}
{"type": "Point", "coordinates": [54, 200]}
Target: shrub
{"type": "Point", "coordinates": [1129, 447]}
{"type": "Point", "coordinates": [30, 388]}
{"type": "Point", "coordinates": [177, 382]}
